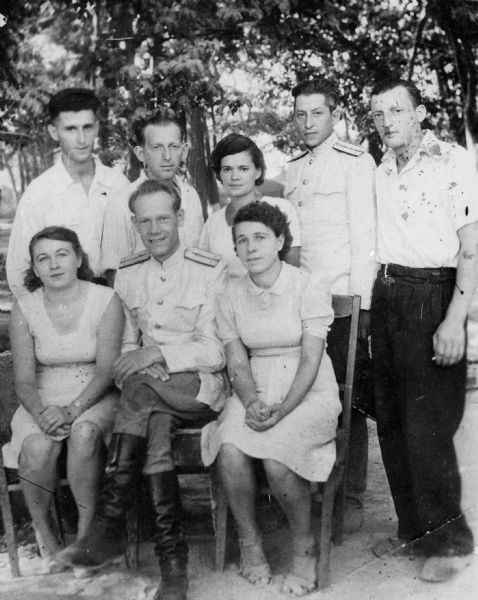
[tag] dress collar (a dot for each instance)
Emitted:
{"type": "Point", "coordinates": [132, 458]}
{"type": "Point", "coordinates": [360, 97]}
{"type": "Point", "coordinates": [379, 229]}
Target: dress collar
{"type": "Point", "coordinates": [277, 288]}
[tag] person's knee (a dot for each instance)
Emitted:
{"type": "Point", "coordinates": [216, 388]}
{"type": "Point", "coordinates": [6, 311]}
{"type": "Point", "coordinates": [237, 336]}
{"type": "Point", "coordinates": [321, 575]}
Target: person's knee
{"type": "Point", "coordinates": [275, 471]}
{"type": "Point", "coordinates": [38, 451]}
{"type": "Point", "coordinates": [85, 438]}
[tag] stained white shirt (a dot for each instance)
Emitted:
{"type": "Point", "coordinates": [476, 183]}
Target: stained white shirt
{"type": "Point", "coordinates": [216, 235]}
{"type": "Point", "coordinates": [120, 237]}
{"type": "Point", "coordinates": [420, 209]}
{"type": "Point", "coordinates": [333, 193]}
{"type": "Point", "coordinates": [54, 198]}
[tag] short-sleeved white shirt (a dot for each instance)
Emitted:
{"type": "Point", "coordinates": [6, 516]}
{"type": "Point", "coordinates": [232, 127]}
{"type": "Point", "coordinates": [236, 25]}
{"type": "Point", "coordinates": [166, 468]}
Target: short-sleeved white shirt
{"type": "Point", "coordinates": [216, 235]}
{"type": "Point", "coordinates": [420, 209]}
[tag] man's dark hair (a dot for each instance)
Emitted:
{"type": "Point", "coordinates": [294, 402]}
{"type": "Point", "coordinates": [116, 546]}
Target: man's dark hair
{"type": "Point", "coordinates": [153, 186]}
{"type": "Point", "coordinates": [318, 85]}
{"type": "Point", "coordinates": [385, 85]}
{"type": "Point", "coordinates": [161, 117]}
{"type": "Point", "coordinates": [62, 234]}
{"type": "Point", "coordinates": [268, 215]}
{"type": "Point", "coordinates": [233, 144]}
{"type": "Point", "coordinates": [72, 100]}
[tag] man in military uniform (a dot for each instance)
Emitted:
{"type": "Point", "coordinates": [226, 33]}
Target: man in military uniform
{"type": "Point", "coordinates": [170, 372]}
{"type": "Point", "coordinates": [159, 143]}
{"type": "Point", "coordinates": [332, 188]}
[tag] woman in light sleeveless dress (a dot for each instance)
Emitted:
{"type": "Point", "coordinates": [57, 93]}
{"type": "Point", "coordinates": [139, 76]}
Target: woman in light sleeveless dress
{"type": "Point", "coordinates": [239, 165]}
{"type": "Point", "coordinates": [65, 335]}
{"type": "Point", "coordinates": [284, 409]}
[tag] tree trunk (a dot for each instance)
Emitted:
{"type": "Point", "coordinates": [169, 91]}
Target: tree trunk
{"type": "Point", "coordinates": [201, 175]}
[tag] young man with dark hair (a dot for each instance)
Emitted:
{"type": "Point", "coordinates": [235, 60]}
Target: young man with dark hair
{"type": "Point", "coordinates": [331, 186]}
{"type": "Point", "coordinates": [160, 145]}
{"type": "Point", "coordinates": [427, 215]}
{"type": "Point", "coordinates": [171, 374]}
{"type": "Point", "coordinates": [73, 193]}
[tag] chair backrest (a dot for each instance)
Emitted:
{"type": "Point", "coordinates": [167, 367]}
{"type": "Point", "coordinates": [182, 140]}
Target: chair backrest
{"type": "Point", "coordinates": [347, 306]}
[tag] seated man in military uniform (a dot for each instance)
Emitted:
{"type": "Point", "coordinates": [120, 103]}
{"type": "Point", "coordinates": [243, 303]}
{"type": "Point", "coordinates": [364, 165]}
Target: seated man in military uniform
{"type": "Point", "coordinates": [170, 372]}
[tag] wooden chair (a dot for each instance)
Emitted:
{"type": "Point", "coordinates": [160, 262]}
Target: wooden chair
{"type": "Point", "coordinates": [333, 498]}
{"type": "Point", "coordinates": [9, 484]}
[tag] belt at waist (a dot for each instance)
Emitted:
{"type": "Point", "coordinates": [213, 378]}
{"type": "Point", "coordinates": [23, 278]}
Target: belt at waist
{"type": "Point", "coordinates": [426, 274]}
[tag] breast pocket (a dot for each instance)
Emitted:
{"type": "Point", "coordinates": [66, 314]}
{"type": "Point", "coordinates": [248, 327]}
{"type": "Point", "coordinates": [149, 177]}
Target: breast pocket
{"type": "Point", "coordinates": [186, 312]}
{"type": "Point", "coordinates": [330, 201]}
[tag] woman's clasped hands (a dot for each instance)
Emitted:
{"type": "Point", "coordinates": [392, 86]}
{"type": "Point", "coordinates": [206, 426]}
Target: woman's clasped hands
{"type": "Point", "coordinates": [55, 420]}
{"type": "Point", "coordinates": [261, 416]}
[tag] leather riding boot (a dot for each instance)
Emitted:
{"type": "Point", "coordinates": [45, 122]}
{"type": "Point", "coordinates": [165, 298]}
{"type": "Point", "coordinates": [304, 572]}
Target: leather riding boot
{"type": "Point", "coordinates": [170, 543]}
{"type": "Point", "coordinates": [105, 539]}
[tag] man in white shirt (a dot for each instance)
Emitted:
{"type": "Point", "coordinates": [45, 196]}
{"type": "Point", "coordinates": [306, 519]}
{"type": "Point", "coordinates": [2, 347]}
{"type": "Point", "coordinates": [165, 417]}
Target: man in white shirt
{"type": "Point", "coordinates": [73, 193]}
{"type": "Point", "coordinates": [427, 213]}
{"type": "Point", "coordinates": [331, 186]}
{"type": "Point", "coordinates": [160, 145]}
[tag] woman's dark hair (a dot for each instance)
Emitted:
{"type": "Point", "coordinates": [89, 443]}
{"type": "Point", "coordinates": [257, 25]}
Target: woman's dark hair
{"type": "Point", "coordinates": [62, 234]}
{"type": "Point", "coordinates": [233, 144]}
{"type": "Point", "coordinates": [268, 215]}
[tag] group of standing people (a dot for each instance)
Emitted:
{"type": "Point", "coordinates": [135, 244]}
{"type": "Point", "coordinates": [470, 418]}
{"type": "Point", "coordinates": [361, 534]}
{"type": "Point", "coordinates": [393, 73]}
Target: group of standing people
{"type": "Point", "coordinates": [249, 290]}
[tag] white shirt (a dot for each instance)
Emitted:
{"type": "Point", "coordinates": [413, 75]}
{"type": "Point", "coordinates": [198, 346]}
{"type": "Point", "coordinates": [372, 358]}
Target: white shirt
{"type": "Point", "coordinates": [171, 305]}
{"type": "Point", "coordinates": [120, 237]}
{"type": "Point", "coordinates": [216, 235]}
{"type": "Point", "coordinates": [332, 190]}
{"type": "Point", "coordinates": [54, 198]}
{"type": "Point", "coordinates": [420, 209]}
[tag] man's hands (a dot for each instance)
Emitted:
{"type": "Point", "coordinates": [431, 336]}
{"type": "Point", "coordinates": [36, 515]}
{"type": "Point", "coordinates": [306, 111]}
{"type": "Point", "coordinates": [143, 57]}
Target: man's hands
{"type": "Point", "coordinates": [147, 361]}
{"type": "Point", "coordinates": [449, 342]}
{"type": "Point", "coordinates": [260, 416]}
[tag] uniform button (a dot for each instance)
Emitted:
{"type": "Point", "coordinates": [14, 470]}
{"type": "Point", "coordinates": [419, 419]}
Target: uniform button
{"type": "Point", "coordinates": [163, 278]}
{"type": "Point", "coordinates": [161, 301]}
{"type": "Point", "coordinates": [305, 182]}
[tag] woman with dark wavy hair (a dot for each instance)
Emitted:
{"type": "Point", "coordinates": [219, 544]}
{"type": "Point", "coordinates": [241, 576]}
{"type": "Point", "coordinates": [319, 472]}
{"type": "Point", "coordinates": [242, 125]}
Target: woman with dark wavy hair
{"type": "Point", "coordinates": [65, 335]}
{"type": "Point", "coordinates": [273, 322]}
{"type": "Point", "coordinates": [239, 165]}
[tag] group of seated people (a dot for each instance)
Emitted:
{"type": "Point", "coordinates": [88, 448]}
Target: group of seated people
{"type": "Point", "coordinates": [217, 326]}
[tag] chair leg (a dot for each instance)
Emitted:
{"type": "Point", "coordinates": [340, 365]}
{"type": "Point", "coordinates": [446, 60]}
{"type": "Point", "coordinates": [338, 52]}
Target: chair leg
{"type": "Point", "coordinates": [220, 514]}
{"type": "Point", "coordinates": [325, 535]}
{"type": "Point", "coordinates": [8, 524]}
{"type": "Point", "coordinates": [338, 517]}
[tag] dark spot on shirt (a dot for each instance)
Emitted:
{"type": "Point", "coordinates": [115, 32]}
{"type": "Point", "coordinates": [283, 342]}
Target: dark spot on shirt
{"type": "Point", "coordinates": [466, 210]}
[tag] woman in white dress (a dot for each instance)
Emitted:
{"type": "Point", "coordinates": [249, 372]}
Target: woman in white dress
{"type": "Point", "coordinates": [239, 165]}
{"type": "Point", "coordinates": [273, 321]}
{"type": "Point", "coordinates": [65, 335]}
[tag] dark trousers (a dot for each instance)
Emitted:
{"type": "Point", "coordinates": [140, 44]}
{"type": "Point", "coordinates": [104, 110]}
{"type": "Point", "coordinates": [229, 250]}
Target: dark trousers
{"type": "Point", "coordinates": [419, 406]}
{"type": "Point", "coordinates": [337, 348]}
{"type": "Point", "coordinates": [154, 409]}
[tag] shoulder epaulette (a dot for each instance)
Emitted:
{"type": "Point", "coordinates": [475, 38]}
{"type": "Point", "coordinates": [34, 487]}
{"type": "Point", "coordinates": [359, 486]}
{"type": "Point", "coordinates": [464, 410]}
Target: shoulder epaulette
{"type": "Point", "coordinates": [134, 259]}
{"type": "Point", "coordinates": [347, 148]}
{"type": "Point", "coordinates": [298, 157]}
{"type": "Point", "coordinates": [202, 257]}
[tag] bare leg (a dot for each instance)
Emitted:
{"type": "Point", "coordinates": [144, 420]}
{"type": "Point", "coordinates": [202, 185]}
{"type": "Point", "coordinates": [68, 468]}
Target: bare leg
{"type": "Point", "coordinates": [293, 494]}
{"type": "Point", "coordinates": [38, 473]}
{"type": "Point", "coordinates": [237, 476]}
{"type": "Point", "coordinates": [84, 468]}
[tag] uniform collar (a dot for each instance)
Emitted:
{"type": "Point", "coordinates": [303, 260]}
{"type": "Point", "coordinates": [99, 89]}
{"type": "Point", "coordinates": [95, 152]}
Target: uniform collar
{"type": "Point", "coordinates": [173, 261]}
{"type": "Point", "coordinates": [278, 287]}
{"type": "Point", "coordinates": [323, 147]}
{"type": "Point", "coordinates": [103, 175]}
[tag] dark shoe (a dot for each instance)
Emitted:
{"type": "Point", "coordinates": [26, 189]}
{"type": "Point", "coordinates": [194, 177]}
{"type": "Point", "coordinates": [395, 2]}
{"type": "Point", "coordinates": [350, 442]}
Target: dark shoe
{"type": "Point", "coordinates": [353, 516]}
{"type": "Point", "coordinates": [174, 580]}
{"type": "Point", "coordinates": [437, 569]}
{"type": "Point", "coordinates": [170, 542]}
{"type": "Point", "coordinates": [105, 540]}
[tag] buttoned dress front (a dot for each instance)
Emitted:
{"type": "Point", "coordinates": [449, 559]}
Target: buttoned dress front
{"type": "Point", "coordinates": [270, 324]}
{"type": "Point", "coordinates": [54, 198]}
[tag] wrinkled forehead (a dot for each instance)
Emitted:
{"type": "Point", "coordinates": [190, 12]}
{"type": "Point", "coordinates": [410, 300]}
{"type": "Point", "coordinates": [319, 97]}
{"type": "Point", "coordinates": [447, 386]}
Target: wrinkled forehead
{"type": "Point", "coordinates": [398, 96]}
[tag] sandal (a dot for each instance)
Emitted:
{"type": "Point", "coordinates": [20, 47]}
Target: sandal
{"type": "Point", "coordinates": [302, 578]}
{"type": "Point", "coordinates": [254, 566]}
